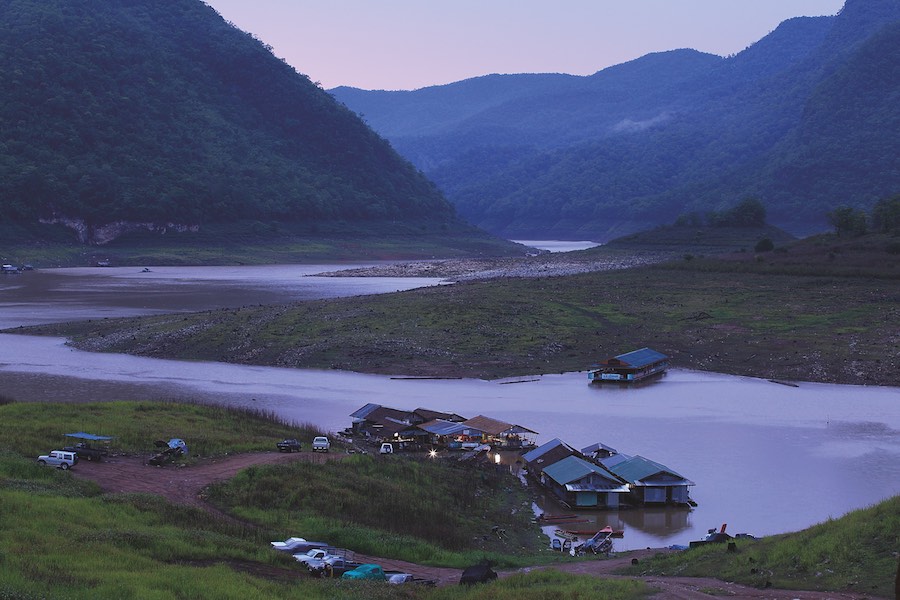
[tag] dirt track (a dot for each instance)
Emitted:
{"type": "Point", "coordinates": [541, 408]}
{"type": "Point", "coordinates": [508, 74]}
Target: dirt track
{"type": "Point", "coordinates": [184, 485]}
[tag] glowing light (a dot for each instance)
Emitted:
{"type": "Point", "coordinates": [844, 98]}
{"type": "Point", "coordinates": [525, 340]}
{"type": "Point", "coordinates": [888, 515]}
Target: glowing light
{"type": "Point", "coordinates": [432, 453]}
{"type": "Point", "coordinates": [497, 458]}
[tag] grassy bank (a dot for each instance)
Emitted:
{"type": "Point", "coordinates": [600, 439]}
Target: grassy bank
{"type": "Point", "coordinates": [255, 242]}
{"type": "Point", "coordinates": [62, 538]}
{"type": "Point", "coordinates": [857, 552]}
{"type": "Point", "coordinates": [33, 429]}
{"type": "Point", "coordinates": [802, 327]}
{"type": "Point", "coordinates": [412, 508]}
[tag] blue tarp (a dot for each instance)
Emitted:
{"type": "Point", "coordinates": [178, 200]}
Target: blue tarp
{"type": "Point", "coordinates": [89, 436]}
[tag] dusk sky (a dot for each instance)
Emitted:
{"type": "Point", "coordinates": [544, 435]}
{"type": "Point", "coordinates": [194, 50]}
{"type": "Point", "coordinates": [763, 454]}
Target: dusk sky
{"type": "Point", "coordinates": [409, 44]}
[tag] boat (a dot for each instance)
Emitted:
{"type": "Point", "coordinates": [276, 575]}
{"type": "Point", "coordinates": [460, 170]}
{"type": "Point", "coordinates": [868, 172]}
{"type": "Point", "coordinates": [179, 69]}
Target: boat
{"type": "Point", "coordinates": [631, 367]}
{"type": "Point", "coordinates": [555, 518]}
{"type": "Point", "coordinates": [616, 533]}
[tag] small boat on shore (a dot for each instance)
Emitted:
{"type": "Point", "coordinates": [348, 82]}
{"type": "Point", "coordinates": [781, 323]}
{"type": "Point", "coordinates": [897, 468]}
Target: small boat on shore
{"type": "Point", "coordinates": [586, 533]}
{"type": "Point", "coordinates": [556, 518]}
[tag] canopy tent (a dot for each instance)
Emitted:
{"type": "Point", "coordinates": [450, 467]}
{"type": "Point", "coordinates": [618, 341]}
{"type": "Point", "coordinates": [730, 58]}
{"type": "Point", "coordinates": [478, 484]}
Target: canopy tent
{"type": "Point", "coordinates": [89, 436]}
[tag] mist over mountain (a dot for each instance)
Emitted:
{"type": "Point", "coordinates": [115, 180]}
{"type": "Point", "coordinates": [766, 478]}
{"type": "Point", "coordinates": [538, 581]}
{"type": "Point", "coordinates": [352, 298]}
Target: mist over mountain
{"type": "Point", "coordinates": [162, 112]}
{"type": "Point", "coordinates": [805, 120]}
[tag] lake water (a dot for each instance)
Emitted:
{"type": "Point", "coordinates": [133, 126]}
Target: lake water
{"type": "Point", "coordinates": [766, 458]}
{"type": "Point", "coordinates": [557, 246]}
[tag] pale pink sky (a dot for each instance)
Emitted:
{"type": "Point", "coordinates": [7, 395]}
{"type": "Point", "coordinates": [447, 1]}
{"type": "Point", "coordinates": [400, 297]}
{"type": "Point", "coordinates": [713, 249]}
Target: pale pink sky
{"type": "Point", "coordinates": [409, 44]}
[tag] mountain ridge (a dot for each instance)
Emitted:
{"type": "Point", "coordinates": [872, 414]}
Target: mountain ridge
{"type": "Point", "coordinates": [141, 112]}
{"type": "Point", "coordinates": [610, 160]}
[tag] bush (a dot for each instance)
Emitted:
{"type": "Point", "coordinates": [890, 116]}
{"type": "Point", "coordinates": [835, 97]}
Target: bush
{"type": "Point", "coordinates": [764, 245]}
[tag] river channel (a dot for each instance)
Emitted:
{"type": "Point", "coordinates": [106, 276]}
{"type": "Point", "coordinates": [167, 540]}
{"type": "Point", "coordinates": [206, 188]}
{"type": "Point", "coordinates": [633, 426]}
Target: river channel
{"type": "Point", "coordinates": [766, 458]}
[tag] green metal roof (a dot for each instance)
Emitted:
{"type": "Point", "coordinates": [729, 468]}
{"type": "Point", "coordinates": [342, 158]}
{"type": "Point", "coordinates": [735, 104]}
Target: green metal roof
{"type": "Point", "coordinates": [638, 468]}
{"type": "Point", "coordinates": [572, 469]}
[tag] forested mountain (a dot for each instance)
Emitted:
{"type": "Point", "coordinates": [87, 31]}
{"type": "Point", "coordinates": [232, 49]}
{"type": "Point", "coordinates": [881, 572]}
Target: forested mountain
{"type": "Point", "coordinates": [140, 110]}
{"type": "Point", "coordinates": [805, 119]}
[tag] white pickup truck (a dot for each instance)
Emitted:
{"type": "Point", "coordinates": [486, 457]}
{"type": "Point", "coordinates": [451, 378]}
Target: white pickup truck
{"type": "Point", "coordinates": [321, 444]}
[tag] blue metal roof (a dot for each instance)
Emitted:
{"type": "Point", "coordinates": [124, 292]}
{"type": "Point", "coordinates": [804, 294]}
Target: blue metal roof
{"type": "Point", "coordinates": [440, 427]}
{"type": "Point", "coordinates": [642, 357]}
{"type": "Point", "coordinates": [89, 436]}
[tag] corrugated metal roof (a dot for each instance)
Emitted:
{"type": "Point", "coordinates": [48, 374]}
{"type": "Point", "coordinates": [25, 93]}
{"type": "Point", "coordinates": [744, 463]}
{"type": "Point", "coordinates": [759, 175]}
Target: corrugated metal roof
{"type": "Point", "coordinates": [639, 468]}
{"type": "Point", "coordinates": [430, 415]}
{"type": "Point", "coordinates": [533, 455]}
{"type": "Point", "coordinates": [573, 468]}
{"type": "Point", "coordinates": [365, 410]}
{"type": "Point", "coordinates": [615, 459]}
{"type": "Point", "coordinates": [642, 357]}
{"type": "Point", "coordinates": [441, 427]}
{"type": "Point", "coordinates": [598, 446]}
{"type": "Point", "coordinates": [494, 427]}
{"type": "Point", "coordinates": [89, 436]}
{"type": "Point", "coordinates": [488, 425]}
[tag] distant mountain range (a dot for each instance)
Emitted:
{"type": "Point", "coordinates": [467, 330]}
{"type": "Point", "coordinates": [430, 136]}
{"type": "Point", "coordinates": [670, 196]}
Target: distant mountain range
{"type": "Point", "coordinates": [151, 112]}
{"type": "Point", "coordinates": [805, 120]}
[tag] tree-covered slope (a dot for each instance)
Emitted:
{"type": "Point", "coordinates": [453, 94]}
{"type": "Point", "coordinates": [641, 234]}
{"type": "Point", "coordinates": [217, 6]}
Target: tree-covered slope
{"type": "Point", "coordinates": [163, 112]}
{"type": "Point", "coordinates": [804, 119]}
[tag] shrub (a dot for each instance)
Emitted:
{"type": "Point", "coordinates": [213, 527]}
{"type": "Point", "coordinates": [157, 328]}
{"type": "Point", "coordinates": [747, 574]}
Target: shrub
{"type": "Point", "coordinates": [764, 245]}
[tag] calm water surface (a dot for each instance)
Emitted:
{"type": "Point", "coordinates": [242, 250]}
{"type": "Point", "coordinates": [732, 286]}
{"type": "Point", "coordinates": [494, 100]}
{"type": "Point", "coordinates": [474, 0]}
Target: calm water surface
{"type": "Point", "coordinates": [557, 246]}
{"type": "Point", "coordinates": [766, 458]}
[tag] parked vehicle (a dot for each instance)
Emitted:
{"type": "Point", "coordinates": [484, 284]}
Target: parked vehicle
{"type": "Point", "coordinates": [311, 555]}
{"type": "Point", "coordinates": [366, 571]}
{"type": "Point", "coordinates": [87, 452]}
{"type": "Point", "coordinates": [332, 566]}
{"type": "Point", "coordinates": [61, 459]}
{"type": "Point", "coordinates": [321, 444]}
{"type": "Point", "coordinates": [289, 445]}
{"type": "Point", "coordinates": [400, 578]}
{"type": "Point", "coordinates": [386, 448]}
{"type": "Point", "coordinates": [289, 544]}
{"type": "Point", "coordinates": [480, 573]}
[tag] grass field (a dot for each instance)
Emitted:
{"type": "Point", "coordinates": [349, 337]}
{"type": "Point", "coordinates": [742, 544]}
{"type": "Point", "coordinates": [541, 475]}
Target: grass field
{"type": "Point", "coordinates": [857, 552]}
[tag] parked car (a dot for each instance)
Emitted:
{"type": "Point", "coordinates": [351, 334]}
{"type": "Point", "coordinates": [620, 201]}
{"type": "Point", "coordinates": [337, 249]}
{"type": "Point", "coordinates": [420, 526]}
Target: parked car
{"type": "Point", "coordinates": [386, 448]}
{"type": "Point", "coordinates": [366, 571]}
{"type": "Point", "coordinates": [87, 452]}
{"type": "Point", "coordinates": [289, 445]}
{"type": "Point", "coordinates": [321, 444]}
{"type": "Point", "coordinates": [331, 566]}
{"type": "Point", "coordinates": [61, 459]}
{"type": "Point", "coordinates": [311, 555]}
{"type": "Point", "coordinates": [480, 573]}
{"type": "Point", "coordinates": [289, 544]}
{"type": "Point", "coordinates": [400, 578]}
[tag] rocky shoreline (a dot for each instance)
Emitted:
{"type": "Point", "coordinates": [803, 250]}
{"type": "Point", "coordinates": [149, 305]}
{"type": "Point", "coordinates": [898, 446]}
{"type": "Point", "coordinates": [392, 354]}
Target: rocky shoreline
{"type": "Point", "coordinates": [479, 269]}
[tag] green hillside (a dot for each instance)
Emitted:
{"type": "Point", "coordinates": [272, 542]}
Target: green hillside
{"type": "Point", "coordinates": [163, 112]}
{"type": "Point", "coordinates": [804, 119]}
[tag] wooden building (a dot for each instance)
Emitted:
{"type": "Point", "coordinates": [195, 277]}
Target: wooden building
{"type": "Point", "coordinates": [543, 456]}
{"type": "Point", "coordinates": [582, 484]}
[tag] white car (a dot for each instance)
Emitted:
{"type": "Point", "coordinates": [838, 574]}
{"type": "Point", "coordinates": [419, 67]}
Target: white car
{"type": "Point", "coordinates": [321, 444]}
{"type": "Point", "coordinates": [316, 554]}
{"type": "Point", "coordinates": [60, 459]}
{"type": "Point", "coordinates": [288, 544]}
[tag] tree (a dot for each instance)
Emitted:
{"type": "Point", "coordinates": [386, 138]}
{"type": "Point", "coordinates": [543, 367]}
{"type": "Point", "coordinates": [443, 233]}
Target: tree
{"type": "Point", "coordinates": [886, 215]}
{"type": "Point", "coordinates": [847, 220]}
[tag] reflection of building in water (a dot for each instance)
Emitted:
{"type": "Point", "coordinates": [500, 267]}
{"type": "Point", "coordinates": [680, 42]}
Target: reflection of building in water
{"type": "Point", "coordinates": [660, 521]}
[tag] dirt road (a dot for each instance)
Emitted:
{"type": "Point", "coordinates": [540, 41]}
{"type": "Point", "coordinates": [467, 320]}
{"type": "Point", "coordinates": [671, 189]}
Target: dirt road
{"type": "Point", "coordinates": [184, 485]}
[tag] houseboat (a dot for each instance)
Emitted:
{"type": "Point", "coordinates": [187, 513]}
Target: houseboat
{"type": "Point", "coordinates": [630, 367]}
